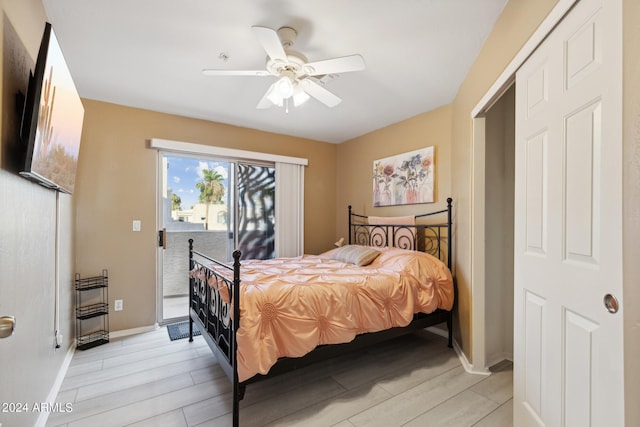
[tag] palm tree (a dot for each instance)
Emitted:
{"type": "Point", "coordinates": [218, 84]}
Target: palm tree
{"type": "Point", "coordinates": [176, 202]}
{"type": "Point", "coordinates": [211, 190]}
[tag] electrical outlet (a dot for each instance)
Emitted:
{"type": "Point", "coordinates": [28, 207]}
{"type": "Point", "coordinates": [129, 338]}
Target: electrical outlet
{"type": "Point", "coordinates": [118, 305]}
{"type": "Point", "coordinates": [137, 225]}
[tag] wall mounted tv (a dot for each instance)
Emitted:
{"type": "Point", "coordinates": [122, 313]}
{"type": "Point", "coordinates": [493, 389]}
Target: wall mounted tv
{"type": "Point", "coordinates": [52, 119]}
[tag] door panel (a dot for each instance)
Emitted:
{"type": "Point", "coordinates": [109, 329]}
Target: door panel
{"type": "Point", "coordinates": [568, 206]}
{"type": "Point", "coordinates": [532, 367]}
{"type": "Point", "coordinates": [579, 355]}
{"type": "Point", "coordinates": [536, 194]}
{"type": "Point", "coordinates": [582, 184]}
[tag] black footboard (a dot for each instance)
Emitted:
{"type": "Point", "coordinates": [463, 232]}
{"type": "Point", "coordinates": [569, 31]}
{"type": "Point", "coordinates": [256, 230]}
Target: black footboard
{"type": "Point", "coordinates": [216, 312]}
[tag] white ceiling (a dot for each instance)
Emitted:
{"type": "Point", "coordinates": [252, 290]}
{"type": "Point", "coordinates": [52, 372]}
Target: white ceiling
{"type": "Point", "coordinates": [150, 53]}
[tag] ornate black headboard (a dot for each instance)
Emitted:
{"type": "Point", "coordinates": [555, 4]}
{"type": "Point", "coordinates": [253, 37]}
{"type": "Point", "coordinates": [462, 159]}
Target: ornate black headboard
{"type": "Point", "coordinates": [433, 239]}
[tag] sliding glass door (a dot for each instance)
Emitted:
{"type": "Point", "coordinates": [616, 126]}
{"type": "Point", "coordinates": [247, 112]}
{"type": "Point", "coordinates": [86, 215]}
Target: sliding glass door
{"type": "Point", "coordinates": [220, 204]}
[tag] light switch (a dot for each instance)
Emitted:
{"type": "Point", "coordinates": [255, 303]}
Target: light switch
{"type": "Point", "coordinates": [136, 225]}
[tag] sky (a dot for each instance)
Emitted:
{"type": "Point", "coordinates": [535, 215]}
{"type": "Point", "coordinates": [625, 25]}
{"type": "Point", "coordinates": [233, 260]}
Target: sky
{"type": "Point", "coordinates": [185, 172]}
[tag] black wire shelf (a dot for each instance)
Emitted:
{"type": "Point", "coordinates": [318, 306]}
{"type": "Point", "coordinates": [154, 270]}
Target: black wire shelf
{"type": "Point", "coordinates": [93, 339]}
{"type": "Point", "coordinates": [92, 301]}
{"type": "Point", "coordinates": [93, 310]}
{"type": "Point", "coordinates": [92, 283]}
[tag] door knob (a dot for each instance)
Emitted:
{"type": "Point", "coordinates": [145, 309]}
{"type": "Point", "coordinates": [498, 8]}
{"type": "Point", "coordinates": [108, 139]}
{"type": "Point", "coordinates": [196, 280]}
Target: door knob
{"type": "Point", "coordinates": [611, 303]}
{"type": "Point", "coordinates": [7, 325]}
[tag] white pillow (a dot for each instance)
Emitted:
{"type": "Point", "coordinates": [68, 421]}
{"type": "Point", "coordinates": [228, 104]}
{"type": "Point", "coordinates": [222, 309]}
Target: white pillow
{"type": "Point", "coordinates": [356, 254]}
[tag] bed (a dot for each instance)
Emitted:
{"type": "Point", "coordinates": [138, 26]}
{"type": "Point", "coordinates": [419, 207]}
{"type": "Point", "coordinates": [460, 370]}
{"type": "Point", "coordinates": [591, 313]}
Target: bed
{"type": "Point", "coordinates": [392, 277]}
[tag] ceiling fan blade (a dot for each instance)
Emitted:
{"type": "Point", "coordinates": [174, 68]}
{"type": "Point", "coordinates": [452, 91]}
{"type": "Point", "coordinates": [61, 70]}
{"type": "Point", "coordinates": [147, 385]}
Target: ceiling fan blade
{"type": "Point", "coordinates": [271, 43]}
{"type": "Point", "coordinates": [208, 72]}
{"type": "Point", "coordinates": [320, 93]}
{"type": "Point", "coordinates": [335, 66]}
{"type": "Point", "coordinates": [265, 102]}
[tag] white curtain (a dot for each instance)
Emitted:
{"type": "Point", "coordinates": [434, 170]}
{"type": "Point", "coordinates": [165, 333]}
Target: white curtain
{"type": "Point", "coordinates": [289, 209]}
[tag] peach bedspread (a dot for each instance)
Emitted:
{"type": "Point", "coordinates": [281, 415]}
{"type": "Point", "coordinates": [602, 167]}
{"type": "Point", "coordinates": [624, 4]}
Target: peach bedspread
{"type": "Point", "coordinates": [288, 306]}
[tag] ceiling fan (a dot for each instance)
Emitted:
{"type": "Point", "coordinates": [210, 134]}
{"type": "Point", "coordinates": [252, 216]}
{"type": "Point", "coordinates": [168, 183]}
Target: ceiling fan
{"type": "Point", "coordinates": [298, 80]}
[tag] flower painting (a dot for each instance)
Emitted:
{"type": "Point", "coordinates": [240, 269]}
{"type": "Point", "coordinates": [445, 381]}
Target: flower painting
{"type": "Point", "coordinates": [404, 179]}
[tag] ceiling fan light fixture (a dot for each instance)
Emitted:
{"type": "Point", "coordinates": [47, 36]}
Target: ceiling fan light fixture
{"type": "Point", "coordinates": [285, 87]}
{"type": "Point", "coordinates": [284, 90]}
{"type": "Point", "coordinates": [274, 96]}
{"type": "Point", "coordinates": [299, 96]}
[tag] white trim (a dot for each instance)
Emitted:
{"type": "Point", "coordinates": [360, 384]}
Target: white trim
{"type": "Point", "coordinates": [478, 150]}
{"type": "Point", "coordinates": [133, 331]}
{"type": "Point", "coordinates": [468, 367]}
{"type": "Point", "coordinates": [502, 83]}
{"type": "Point", "coordinates": [230, 153]}
{"type": "Point", "coordinates": [53, 393]}
{"type": "Point", "coordinates": [508, 75]}
{"type": "Point", "coordinates": [159, 249]}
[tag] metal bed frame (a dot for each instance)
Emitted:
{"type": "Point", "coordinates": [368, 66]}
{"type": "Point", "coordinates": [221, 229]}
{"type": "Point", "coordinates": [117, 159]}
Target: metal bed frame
{"type": "Point", "coordinates": [209, 308]}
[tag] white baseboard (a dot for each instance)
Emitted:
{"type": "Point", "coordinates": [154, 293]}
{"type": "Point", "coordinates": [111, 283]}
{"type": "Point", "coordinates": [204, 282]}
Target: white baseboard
{"type": "Point", "coordinates": [465, 362]}
{"type": "Point", "coordinates": [133, 331]}
{"type": "Point", "coordinates": [53, 393]}
{"type": "Point", "coordinates": [463, 359]}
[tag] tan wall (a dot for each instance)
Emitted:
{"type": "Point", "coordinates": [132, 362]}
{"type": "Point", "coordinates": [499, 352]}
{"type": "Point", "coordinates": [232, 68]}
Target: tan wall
{"type": "Point", "coordinates": [356, 157]}
{"type": "Point", "coordinates": [116, 184]}
{"type": "Point", "coordinates": [29, 362]}
{"type": "Point", "coordinates": [516, 24]}
{"type": "Point", "coordinates": [631, 218]}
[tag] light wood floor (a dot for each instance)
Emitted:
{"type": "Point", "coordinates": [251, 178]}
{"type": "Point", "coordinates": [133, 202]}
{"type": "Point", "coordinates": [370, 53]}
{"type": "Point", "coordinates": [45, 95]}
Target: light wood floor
{"type": "Point", "coordinates": [147, 380]}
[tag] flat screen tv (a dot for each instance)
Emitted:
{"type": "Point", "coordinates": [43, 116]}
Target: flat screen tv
{"type": "Point", "coordinates": [52, 119]}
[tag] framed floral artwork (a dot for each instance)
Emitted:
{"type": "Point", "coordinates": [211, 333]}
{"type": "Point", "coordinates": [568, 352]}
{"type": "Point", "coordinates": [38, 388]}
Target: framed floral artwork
{"type": "Point", "coordinates": [404, 179]}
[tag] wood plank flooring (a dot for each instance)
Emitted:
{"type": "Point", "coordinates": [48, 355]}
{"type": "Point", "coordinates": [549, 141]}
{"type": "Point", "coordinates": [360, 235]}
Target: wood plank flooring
{"type": "Point", "coordinates": [148, 380]}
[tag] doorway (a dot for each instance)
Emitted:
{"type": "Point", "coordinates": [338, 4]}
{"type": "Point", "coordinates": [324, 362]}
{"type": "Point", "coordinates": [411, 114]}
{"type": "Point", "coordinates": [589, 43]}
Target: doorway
{"type": "Point", "coordinates": [222, 205]}
{"type": "Point", "coordinates": [499, 227]}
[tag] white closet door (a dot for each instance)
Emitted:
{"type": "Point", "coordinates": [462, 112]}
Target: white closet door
{"type": "Point", "coordinates": [568, 359]}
